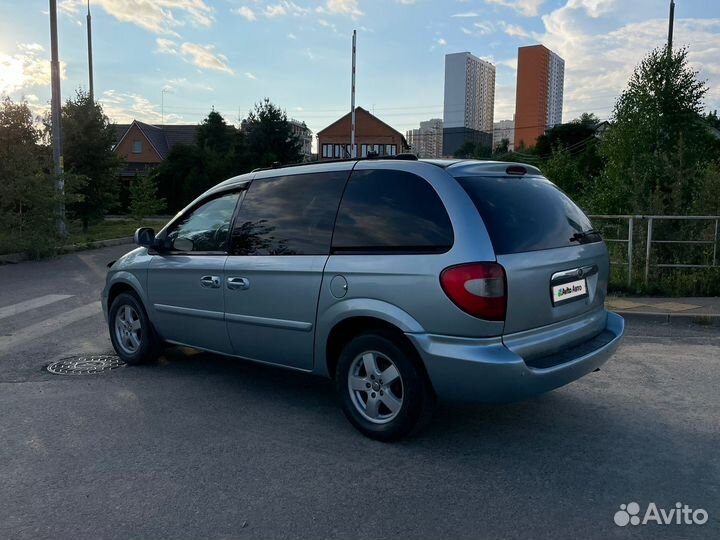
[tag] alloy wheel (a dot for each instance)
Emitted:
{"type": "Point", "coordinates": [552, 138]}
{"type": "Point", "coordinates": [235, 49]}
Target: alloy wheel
{"type": "Point", "coordinates": [128, 329]}
{"type": "Point", "coordinates": [376, 387]}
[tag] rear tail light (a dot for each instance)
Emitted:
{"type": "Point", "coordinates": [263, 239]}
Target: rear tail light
{"type": "Point", "coordinates": [477, 289]}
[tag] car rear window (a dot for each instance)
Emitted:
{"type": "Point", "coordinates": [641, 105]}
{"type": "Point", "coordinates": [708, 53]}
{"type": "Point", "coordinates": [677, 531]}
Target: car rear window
{"type": "Point", "coordinates": [527, 213]}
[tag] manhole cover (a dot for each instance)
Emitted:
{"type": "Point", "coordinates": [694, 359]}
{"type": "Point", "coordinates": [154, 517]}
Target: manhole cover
{"type": "Point", "coordinates": [85, 364]}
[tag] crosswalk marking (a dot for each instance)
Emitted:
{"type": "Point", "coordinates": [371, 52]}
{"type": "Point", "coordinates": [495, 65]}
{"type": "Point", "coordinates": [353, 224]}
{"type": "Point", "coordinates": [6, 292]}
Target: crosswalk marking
{"type": "Point", "coordinates": [48, 326]}
{"type": "Point", "coordinates": [27, 305]}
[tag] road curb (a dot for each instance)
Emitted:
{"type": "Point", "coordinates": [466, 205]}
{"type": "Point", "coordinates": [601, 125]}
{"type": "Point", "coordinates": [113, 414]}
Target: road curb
{"type": "Point", "coordinates": [14, 258]}
{"type": "Point", "coordinates": [707, 319]}
{"type": "Point", "coordinates": [97, 244]}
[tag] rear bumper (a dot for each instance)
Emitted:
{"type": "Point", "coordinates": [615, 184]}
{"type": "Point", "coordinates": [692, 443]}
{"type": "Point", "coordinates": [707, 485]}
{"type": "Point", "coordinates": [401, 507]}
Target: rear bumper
{"type": "Point", "coordinates": [485, 370]}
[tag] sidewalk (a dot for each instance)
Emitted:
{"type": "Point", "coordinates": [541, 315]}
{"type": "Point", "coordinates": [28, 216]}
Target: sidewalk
{"type": "Point", "coordinates": [701, 310]}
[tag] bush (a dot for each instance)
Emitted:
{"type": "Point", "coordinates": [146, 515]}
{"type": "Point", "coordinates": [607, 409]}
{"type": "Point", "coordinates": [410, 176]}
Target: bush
{"type": "Point", "coordinates": [144, 200]}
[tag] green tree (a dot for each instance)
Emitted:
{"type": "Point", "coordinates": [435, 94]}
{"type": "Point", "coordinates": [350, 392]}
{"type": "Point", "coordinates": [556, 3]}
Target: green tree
{"type": "Point", "coordinates": [575, 135]}
{"type": "Point", "coordinates": [657, 144]}
{"type": "Point", "coordinates": [88, 140]}
{"type": "Point", "coordinates": [222, 151]}
{"type": "Point", "coordinates": [214, 133]}
{"type": "Point", "coordinates": [268, 136]}
{"type": "Point", "coordinates": [144, 200]}
{"type": "Point", "coordinates": [28, 200]}
{"type": "Point", "coordinates": [503, 147]}
{"type": "Point", "coordinates": [181, 176]}
{"type": "Point", "coordinates": [562, 170]}
{"type": "Point", "coordinates": [707, 199]}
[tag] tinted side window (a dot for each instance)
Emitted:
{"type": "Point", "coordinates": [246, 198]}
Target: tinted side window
{"type": "Point", "coordinates": [391, 211]}
{"type": "Point", "coordinates": [206, 228]}
{"type": "Point", "coordinates": [288, 215]}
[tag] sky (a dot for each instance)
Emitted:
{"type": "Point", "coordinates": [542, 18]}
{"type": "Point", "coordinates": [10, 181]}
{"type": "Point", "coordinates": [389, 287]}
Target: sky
{"type": "Point", "coordinates": [178, 59]}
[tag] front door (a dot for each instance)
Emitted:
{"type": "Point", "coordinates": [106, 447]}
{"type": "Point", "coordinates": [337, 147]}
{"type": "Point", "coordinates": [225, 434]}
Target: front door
{"type": "Point", "coordinates": [279, 246]}
{"type": "Point", "coordinates": [185, 282]}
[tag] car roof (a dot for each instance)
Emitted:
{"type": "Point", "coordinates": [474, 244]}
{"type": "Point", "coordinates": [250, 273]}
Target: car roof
{"type": "Point", "coordinates": [456, 167]}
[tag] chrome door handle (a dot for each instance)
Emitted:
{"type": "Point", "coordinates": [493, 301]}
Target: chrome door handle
{"type": "Point", "coordinates": [238, 283]}
{"type": "Point", "coordinates": [210, 282]}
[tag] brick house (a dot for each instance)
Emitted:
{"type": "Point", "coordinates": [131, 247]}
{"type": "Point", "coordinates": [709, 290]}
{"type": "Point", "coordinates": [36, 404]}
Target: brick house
{"type": "Point", "coordinates": [144, 146]}
{"type": "Point", "coordinates": [371, 135]}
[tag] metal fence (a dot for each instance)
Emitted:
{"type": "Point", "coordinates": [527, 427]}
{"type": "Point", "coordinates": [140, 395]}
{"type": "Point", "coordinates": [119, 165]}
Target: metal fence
{"type": "Point", "coordinates": [708, 225]}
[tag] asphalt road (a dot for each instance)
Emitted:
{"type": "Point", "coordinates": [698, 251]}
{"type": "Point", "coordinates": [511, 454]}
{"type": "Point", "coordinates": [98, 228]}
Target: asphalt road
{"type": "Point", "coordinates": [201, 446]}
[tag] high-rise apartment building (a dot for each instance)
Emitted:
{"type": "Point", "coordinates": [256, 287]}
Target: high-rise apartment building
{"type": "Point", "coordinates": [539, 95]}
{"type": "Point", "coordinates": [426, 141]}
{"type": "Point", "coordinates": [504, 129]}
{"type": "Point", "coordinates": [469, 101]}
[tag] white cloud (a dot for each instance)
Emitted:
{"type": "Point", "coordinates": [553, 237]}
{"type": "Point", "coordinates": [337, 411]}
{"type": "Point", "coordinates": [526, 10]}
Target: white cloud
{"type": "Point", "coordinates": [182, 82]}
{"type": "Point", "coordinates": [441, 42]}
{"type": "Point", "coordinates": [466, 14]}
{"type": "Point", "coordinates": [291, 36]}
{"type": "Point", "coordinates": [284, 7]}
{"type": "Point", "coordinates": [166, 46]}
{"type": "Point", "coordinates": [529, 8]}
{"type": "Point", "coordinates": [157, 16]}
{"type": "Point", "coordinates": [326, 24]}
{"type": "Point", "coordinates": [594, 8]}
{"type": "Point", "coordinates": [484, 28]}
{"type": "Point", "coordinates": [24, 69]}
{"type": "Point", "coordinates": [341, 7]}
{"type": "Point", "coordinates": [250, 76]}
{"type": "Point", "coordinates": [34, 47]}
{"type": "Point", "coordinates": [204, 56]}
{"type": "Point", "coordinates": [124, 107]}
{"type": "Point", "coordinates": [504, 101]}
{"type": "Point", "coordinates": [515, 30]}
{"type": "Point", "coordinates": [407, 2]}
{"type": "Point", "coordinates": [510, 63]}
{"type": "Point", "coordinates": [246, 13]}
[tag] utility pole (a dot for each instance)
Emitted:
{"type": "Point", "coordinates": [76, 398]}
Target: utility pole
{"type": "Point", "coordinates": [56, 115]}
{"type": "Point", "coordinates": [670, 24]}
{"type": "Point", "coordinates": [353, 147]}
{"type": "Point", "coordinates": [90, 63]}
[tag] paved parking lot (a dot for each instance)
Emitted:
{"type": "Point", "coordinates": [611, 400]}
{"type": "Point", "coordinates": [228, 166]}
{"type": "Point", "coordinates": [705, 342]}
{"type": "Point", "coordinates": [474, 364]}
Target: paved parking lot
{"type": "Point", "coordinates": [200, 446]}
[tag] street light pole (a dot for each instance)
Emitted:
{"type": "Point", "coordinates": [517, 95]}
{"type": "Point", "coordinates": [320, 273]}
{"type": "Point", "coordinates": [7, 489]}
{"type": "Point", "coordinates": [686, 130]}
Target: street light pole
{"type": "Point", "coordinates": [90, 61]}
{"type": "Point", "coordinates": [56, 115]}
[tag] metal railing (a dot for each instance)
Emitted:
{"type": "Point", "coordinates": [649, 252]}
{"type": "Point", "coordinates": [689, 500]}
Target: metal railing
{"type": "Point", "coordinates": [650, 240]}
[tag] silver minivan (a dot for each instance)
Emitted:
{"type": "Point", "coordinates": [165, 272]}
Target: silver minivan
{"type": "Point", "coordinates": [404, 280]}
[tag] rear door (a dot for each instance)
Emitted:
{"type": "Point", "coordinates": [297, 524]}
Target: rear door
{"type": "Point", "coordinates": [556, 267]}
{"type": "Point", "coordinates": [280, 244]}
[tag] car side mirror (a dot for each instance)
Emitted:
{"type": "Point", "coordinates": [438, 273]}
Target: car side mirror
{"type": "Point", "coordinates": [145, 237]}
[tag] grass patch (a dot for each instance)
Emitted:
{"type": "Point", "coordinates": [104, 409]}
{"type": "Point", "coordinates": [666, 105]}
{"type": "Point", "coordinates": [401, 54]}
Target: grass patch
{"type": "Point", "coordinates": [105, 230]}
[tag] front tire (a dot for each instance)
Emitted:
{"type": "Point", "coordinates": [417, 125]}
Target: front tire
{"type": "Point", "coordinates": [132, 335]}
{"type": "Point", "coordinates": [382, 391]}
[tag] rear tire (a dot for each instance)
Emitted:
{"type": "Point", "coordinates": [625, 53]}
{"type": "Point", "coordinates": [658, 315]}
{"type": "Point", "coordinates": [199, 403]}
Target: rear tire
{"type": "Point", "coordinates": [133, 336]}
{"type": "Point", "coordinates": [383, 393]}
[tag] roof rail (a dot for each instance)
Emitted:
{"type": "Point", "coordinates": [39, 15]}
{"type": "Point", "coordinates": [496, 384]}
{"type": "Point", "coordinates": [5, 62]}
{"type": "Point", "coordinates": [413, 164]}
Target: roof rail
{"type": "Point", "coordinates": [401, 157]}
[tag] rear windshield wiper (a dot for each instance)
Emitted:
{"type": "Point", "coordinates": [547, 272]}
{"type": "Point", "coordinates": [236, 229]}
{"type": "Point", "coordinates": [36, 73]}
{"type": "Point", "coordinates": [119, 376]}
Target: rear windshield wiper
{"type": "Point", "coordinates": [578, 236]}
